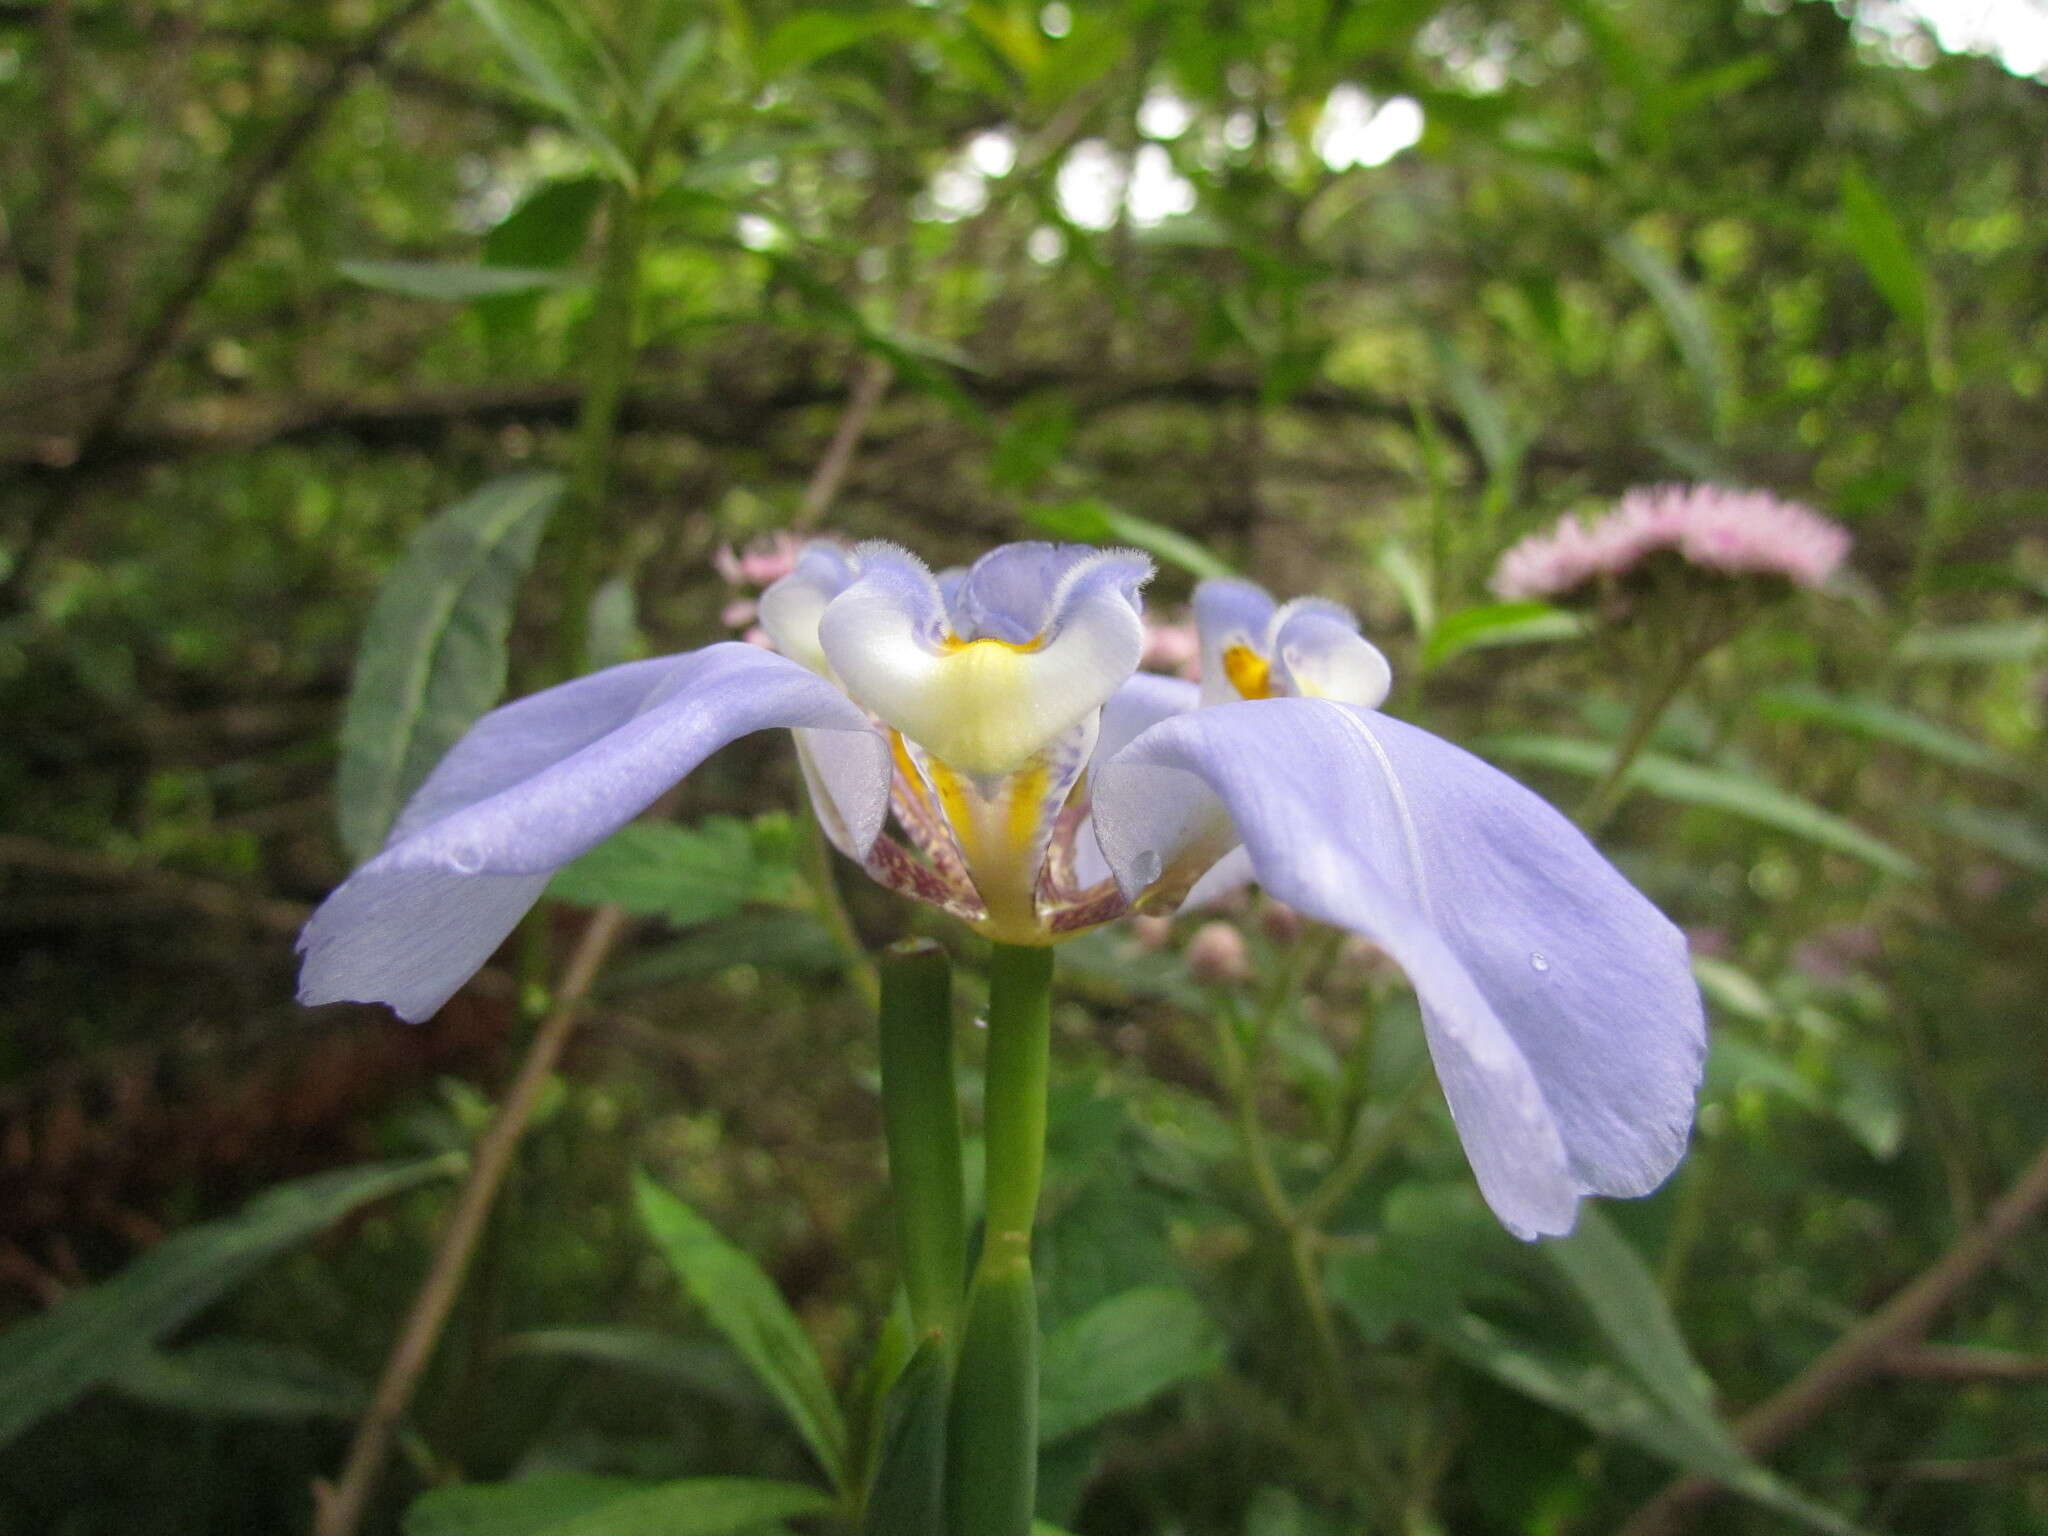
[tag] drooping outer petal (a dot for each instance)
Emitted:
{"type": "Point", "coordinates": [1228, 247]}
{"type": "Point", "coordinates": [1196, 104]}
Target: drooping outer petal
{"type": "Point", "coordinates": [542, 780]}
{"type": "Point", "coordinates": [1559, 1006]}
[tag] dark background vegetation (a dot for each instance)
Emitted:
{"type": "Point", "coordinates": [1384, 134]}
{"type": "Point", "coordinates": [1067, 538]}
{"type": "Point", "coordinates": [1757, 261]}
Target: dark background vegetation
{"type": "Point", "coordinates": [1776, 242]}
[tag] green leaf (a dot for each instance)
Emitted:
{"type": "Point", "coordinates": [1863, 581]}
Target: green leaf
{"type": "Point", "coordinates": [432, 657]}
{"type": "Point", "coordinates": [612, 635]}
{"type": "Point", "coordinates": [1500, 445]}
{"type": "Point", "coordinates": [687, 875]}
{"type": "Point", "coordinates": [1994, 641]}
{"type": "Point", "coordinates": [51, 1360]}
{"type": "Point", "coordinates": [1724, 789]}
{"type": "Point", "coordinates": [1730, 987]}
{"type": "Point", "coordinates": [450, 282]}
{"type": "Point", "coordinates": [1093, 521]}
{"type": "Point", "coordinates": [744, 1306]}
{"type": "Point", "coordinates": [1397, 562]}
{"type": "Point", "coordinates": [909, 1491]}
{"type": "Point", "coordinates": [1630, 1314]}
{"type": "Point", "coordinates": [709, 1370]}
{"type": "Point", "coordinates": [543, 235]}
{"type": "Point", "coordinates": [1120, 1354]}
{"type": "Point", "coordinates": [811, 35]}
{"type": "Point", "coordinates": [576, 1504]}
{"type": "Point", "coordinates": [1874, 232]}
{"type": "Point", "coordinates": [2017, 838]}
{"type": "Point", "coordinates": [1608, 1402]}
{"type": "Point", "coordinates": [1438, 1250]}
{"type": "Point", "coordinates": [1685, 313]}
{"type": "Point", "coordinates": [1497, 624]}
{"type": "Point", "coordinates": [792, 942]}
{"type": "Point", "coordinates": [1032, 441]}
{"type": "Point", "coordinates": [1871, 717]}
{"type": "Point", "coordinates": [241, 1379]}
{"type": "Point", "coordinates": [561, 67]}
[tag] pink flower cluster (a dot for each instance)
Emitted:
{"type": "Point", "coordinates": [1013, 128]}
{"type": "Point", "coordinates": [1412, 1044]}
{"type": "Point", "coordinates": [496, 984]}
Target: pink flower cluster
{"type": "Point", "coordinates": [761, 564]}
{"type": "Point", "coordinates": [1733, 532]}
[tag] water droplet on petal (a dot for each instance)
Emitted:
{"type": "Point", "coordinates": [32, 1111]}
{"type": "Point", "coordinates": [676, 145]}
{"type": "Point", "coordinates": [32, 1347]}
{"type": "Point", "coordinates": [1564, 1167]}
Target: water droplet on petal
{"type": "Point", "coordinates": [1539, 962]}
{"type": "Point", "coordinates": [1145, 867]}
{"type": "Point", "coordinates": [468, 860]}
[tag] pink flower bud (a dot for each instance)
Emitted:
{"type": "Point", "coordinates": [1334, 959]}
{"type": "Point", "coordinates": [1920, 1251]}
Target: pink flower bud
{"type": "Point", "coordinates": [1218, 954]}
{"type": "Point", "coordinates": [1280, 922]}
{"type": "Point", "coordinates": [1151, 932]}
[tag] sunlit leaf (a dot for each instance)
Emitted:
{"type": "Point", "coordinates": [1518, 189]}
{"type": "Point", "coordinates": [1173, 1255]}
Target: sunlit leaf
{"type": "Point", "coordinates": [1878, 237]}
{"type": "Point", "coordinates": [576, 1504]}
{"type": "Point", "coordinates": [1498, 624]}
{"type": "Point", "coordinates": [1093, 521]}
{"type": "Point", "coordinates": [52, 1359]}
{"type": "Point", "coordinates": [432, 657]}
{"type": "Point", "coordinates": [743, 1304]}
{"type": "Point", "coordinates": [1397, 562]}
{"type": "Point", "coordinates": [560, 66]}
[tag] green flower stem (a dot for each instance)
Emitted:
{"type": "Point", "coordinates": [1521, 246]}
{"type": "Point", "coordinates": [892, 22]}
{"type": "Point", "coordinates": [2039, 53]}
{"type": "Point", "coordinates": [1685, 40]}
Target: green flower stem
{"type": "Point", "coordinates": [921, 1120]}
{"type": "Point", "coordinates": [992, 1442]}
{"type": "Point", "coordinates": [610, 350]}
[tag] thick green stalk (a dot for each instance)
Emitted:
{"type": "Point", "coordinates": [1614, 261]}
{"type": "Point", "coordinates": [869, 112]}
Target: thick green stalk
{"type": "Point", "coordinates": [921, 1119]}
{"type": "Point", "coordinates": [992, 1437]}
{"type": "Point", "coordinates": [580, 529]}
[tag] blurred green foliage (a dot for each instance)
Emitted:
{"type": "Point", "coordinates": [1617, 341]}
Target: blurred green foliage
{"type": "Point", "coordinates": [1344, 296]}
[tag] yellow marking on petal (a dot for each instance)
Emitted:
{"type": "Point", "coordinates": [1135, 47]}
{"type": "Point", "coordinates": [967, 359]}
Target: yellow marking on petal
{"type": "Point", "coordinates": [1027, 806]}
{"type": "Point", "coordinates": [953, 645]}
{"type": "Point", "coordinates": [1249, 672]}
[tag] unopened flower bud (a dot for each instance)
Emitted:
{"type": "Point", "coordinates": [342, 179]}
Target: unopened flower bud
{"type": "Point", "coordinates": [1218, 954]}
{"type": "Point", "coordinates": [1280, 922]}
{"type": "Point", "coordinates": [1151, 932]}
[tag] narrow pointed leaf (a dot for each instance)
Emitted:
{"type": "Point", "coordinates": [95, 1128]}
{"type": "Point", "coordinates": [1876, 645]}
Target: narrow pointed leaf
{"type": "Point", "coordinates": [744, 1306]}
{"type": "Point", "coordinates": [575, 1504]}
{"type": "Point", "coordinates": [433, 657]}
{"type": "Point", "coordinates": [1725, 789]}
{"type": "Point", "coordinates": [51, 1360]}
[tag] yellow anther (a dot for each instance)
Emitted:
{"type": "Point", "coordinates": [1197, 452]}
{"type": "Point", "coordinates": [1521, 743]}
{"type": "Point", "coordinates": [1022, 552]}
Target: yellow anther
{"type": "Point", "coordinates": [1249, 672]}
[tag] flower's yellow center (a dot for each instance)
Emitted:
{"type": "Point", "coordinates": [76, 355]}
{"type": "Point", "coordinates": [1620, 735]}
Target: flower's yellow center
{"type": "Point", "coordinates": [1249, 672]}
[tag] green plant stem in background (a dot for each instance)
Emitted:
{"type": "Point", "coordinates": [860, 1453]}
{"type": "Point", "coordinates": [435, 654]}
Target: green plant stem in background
{"type": "Point", "coordinates": [992, 1443]}
{"type": "Point", "coordinates": [1652, 705]}
{"type": "Point", "coordinates": [610, 350]}
{"type": "Point", "coordinates": [921, 1120]}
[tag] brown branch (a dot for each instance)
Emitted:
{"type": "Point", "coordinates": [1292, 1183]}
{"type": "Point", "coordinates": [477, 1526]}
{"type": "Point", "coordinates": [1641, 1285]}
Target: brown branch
{"type": "Point", "coordinates": [338, 1507]}
{"type": "Point", "coordinates": [1953, 1362]}
{"type": "Point", "coordinates": [1865, 1350]}
{"type": "Point", "coordinates": [721, 414]}
{"type": "Point", "coordinates": [830, 474]}
{"type": "Point", "coordinates": [155, 889]}
{"type": "Point", "coordinates": [224, 230]}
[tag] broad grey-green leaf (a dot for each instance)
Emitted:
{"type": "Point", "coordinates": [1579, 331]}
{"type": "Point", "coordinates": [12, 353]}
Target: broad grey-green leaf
{"type": "Point", "coordinates": [2011, 835]}
{"type": "Point", "coordinates": [1863, 715]}
{"type": "Point", "coordinates": [576, 1504]}
{"type": "Point", "coordinates": [1993, 641]}
{"type": "Point", "coordinates": [432, 657]}
{"type": "Point", "coordinates": [1500, 445]}
{"type": "Point", "coordinates": [1630, 1314]}
{"type": "Point", "coordinates": [1497, 624]}
{"type": "Point", "coordinates": [612, 634]}
{"type": "Point", "coordinates": [1120, 1354]}
{"type": "Point", "coordinates": [1724, 789]}
{"type": "Point", "coordinates": [1608, 1402]}
{"type": "Point", "coordinates": [51, 1360]}
{"type": "Point", "coordinates": [744, 1306]}
{"type": "Point", "coordinates": [450, 282]}
{"type": "Point", "coordinates": [1398, 563]}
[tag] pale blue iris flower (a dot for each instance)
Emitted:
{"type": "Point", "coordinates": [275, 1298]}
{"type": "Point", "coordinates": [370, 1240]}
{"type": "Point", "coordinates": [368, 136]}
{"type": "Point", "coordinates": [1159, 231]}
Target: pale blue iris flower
{"type": "Point", "coordinates": [981, 741]}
